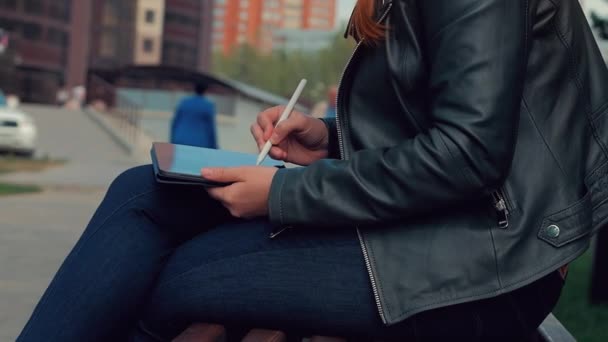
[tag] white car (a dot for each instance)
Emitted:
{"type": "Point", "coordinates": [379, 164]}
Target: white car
{"type": "Point", "coordinates": [18, 132]}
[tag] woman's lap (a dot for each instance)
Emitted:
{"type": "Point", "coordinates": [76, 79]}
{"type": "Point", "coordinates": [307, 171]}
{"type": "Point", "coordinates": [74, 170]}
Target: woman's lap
{"type": "Point", "coordinates": [235, 275]}
{"type": "Point", "coordinates": [314, 282]}
{"type": "Point", "coordinates": [170, 256]}
{"type": "Point", "coordinates": [220, 268]}
{"type": "Point", "coordinates": [108, 275]}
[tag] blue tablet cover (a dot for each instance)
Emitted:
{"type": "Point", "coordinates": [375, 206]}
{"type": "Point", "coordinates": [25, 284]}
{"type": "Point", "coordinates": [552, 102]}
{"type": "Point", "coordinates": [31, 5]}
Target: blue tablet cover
{"type": "Point", "coordinates": [182, 164]}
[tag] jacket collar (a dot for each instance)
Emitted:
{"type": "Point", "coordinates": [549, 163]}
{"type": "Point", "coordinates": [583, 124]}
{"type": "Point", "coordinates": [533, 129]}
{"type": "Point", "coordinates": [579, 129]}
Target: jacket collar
{"type": "Point", "coordinates": [381, 7]}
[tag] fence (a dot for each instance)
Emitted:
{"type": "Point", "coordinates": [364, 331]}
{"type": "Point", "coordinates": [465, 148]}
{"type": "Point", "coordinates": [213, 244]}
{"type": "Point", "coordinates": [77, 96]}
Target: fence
{"type": "Point", "coordinates": [123, 113]}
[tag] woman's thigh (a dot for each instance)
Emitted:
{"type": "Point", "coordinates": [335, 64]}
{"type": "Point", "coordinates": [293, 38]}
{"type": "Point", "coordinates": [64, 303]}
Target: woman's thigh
{"type": "Point", "coordinates": [110, 272]}
{"type": "Point", "coordinates": [236, 275]}
{"type": "Point", "coordinates": [314, 282]}
{"type": "Point", "coordinates": [181, 210]}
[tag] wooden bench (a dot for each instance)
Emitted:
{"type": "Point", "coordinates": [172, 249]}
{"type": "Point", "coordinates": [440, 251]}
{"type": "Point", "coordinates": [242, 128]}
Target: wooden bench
{"type": "Point", "coordinates": [550, 331]}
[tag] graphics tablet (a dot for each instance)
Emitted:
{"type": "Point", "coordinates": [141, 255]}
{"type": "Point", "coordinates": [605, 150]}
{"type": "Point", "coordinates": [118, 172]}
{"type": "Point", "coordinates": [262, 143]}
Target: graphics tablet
{"type": "Point", "coordinates": [181, 164]}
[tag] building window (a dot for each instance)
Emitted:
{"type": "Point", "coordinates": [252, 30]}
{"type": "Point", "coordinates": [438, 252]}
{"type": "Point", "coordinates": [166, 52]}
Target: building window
{"type": "Point", "coordinates": [9, 4]}
{"type": "Point", "coordinates": [179, 54]}
{"type": "Point", "coordinates": [180, 19]}
{"type": "Point", "coordinates": [150, 16]}
{"type": "Point", "coordinates": [57, 37]}
{"type": "Point", "coordinates": [10, 25]}
{"type": "Point", "coordinates": [107, 46]}
{"type": "Point", "coordinates": [32, 31]}
{"type": "Point", "coordinates": [110, 14]}
{"type": "Point", "coordinates": [148, 45]}
{"type": "Point", "coordinates": [33, 6]}
{"type": "Point", "coordinates": [59, 10]}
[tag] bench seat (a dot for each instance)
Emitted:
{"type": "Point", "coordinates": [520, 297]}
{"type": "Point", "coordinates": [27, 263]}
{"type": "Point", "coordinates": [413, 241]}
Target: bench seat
{"type": "Point", "coordinates": [550, 331]}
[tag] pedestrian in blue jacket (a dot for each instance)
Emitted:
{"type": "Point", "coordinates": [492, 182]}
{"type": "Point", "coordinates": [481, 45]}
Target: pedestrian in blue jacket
{"type": "Point", "coordinates": [194, 120]}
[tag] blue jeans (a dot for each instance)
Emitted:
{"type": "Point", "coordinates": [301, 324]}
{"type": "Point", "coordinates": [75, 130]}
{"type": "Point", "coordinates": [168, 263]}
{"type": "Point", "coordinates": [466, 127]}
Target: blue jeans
{"type": "Point", "coordinates": [155, 258]}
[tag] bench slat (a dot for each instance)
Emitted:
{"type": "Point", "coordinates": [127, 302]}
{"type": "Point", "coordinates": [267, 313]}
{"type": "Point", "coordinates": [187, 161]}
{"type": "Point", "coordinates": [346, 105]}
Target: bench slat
{"type": "Point", "coordinates": [261, 335]}
{"type": "Point", "coordinates": [203, 332]}
{"type": "Point", "coordinates": [553, 331]}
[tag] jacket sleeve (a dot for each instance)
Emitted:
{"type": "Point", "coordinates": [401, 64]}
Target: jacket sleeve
{"type": "Point", "coordinates": [333, 148]}
{"type": "Point", "coordinates": [476, 50]}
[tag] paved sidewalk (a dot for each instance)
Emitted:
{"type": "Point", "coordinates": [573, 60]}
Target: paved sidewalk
{"type": "Point", "coordinates": [36, 233]}
{"type": "Point", "coordinates": [93, 157]}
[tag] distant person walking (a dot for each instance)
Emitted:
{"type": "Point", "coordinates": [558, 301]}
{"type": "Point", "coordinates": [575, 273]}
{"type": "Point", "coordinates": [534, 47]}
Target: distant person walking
{"type": "Point", "coordinates": [332, 97]}
{"type": "Point", "coordinates": [194, 121]}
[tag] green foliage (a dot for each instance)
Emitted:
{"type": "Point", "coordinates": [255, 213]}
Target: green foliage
{"type": "Point", "coordinates": [280, 71]}
{"type": "Point", "coordinates": [12, 189]}
{"type": "Point", "coordinates": [585, 321]}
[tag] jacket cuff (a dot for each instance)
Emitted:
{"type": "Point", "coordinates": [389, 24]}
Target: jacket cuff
{"type": "Point", "coordinates": [333, 146]}
{"type": "Point", "coordinates": [275, 205]}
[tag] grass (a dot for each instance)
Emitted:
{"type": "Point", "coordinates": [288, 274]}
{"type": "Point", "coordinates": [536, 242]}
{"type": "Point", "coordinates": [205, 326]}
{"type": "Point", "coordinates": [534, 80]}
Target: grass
{"type": "Point", "coordinates": [15, 164]}
{"type": "Point", "coordinates": [586, 322]}
{"type": "Point", "coordinates": [13, 189]}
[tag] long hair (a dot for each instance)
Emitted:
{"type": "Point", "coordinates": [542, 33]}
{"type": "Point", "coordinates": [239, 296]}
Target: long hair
{"type": "Point", "coordinates": [362, 23]}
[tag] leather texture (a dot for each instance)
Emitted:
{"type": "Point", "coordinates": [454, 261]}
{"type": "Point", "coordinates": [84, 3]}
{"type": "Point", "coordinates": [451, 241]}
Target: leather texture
{"type": "Point", "coordinates": [506, 97]}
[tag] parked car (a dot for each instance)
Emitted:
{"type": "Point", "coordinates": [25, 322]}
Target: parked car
{"type": "Point", "coordinates": [597, 11]}
{"type": "Point", "coordinates": [18, 132]}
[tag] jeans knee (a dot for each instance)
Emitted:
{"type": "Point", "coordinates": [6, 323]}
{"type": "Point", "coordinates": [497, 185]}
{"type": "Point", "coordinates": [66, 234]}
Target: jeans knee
{"type": "Point", "coordinates": [133, 181]}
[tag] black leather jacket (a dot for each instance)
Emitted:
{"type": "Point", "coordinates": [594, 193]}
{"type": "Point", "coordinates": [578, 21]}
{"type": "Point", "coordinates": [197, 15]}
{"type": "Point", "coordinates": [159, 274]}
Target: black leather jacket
{"type": "Point", "coordinates": [506, 176]}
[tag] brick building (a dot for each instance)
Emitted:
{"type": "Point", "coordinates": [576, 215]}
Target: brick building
{"type": "Point", "coordinates": [187, 34]}
{"type": "Point", "coordinates": [255, 22]}
{"type": "Point", "coordinates": [55, 42]}
{"type": "Point", "coordinates": [39, 46]}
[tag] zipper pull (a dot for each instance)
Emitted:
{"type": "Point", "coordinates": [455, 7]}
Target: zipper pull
{"type": "Point", "coordinates": [277, 231]}
{"type": "Point", "coordinates": [500, 204]}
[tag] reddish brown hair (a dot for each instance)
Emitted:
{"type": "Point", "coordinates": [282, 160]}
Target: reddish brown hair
{"type": "Point", "coordinates": [363, 24]}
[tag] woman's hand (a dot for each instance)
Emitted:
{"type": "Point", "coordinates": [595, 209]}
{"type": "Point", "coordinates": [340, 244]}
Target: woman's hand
{"type": "Point", "coordinates": [247, 196]}
{"type": "Point", "coordinates": [300, 139]}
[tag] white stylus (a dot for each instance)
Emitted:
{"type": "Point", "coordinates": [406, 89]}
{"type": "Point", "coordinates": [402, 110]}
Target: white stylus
{"type": "Point", "coordinates": [284, 116]}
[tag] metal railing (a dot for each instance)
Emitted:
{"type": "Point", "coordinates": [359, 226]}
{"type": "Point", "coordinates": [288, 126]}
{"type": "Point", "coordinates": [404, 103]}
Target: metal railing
{"type": "Point", "coordinates": [123, 114]}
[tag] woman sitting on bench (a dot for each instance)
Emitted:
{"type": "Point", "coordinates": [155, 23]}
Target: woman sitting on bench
{"type": "Point", "coordinates": [462, 172]}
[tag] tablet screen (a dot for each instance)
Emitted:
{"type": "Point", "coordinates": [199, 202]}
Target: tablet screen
{"type": "Point", "coordinates": [189, 160]}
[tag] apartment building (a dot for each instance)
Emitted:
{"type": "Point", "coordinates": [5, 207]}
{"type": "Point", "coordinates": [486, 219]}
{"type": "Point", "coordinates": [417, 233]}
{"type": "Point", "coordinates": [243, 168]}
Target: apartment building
{"type": "Point", "coordinates": [38, 35]}
{"type": "Point", "coordinates": [56, 42]}
{"type": "Point", "coordinates": [255, 22]}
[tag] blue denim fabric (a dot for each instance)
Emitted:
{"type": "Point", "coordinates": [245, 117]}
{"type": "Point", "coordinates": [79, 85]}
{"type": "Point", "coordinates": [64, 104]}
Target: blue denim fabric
{"type": "Point", "coordinates": [155, 258]}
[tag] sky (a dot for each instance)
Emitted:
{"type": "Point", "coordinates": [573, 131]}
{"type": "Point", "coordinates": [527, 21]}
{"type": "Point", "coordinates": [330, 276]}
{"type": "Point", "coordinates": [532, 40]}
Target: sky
{"type": "Point", "coordinates": [345, 7]}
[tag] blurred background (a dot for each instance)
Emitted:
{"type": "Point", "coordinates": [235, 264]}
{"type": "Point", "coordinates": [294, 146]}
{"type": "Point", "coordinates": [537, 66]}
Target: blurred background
{"type": "Point", "coordinates": [87, 85]}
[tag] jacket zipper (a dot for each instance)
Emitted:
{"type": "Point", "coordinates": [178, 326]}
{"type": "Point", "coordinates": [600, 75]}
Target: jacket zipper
{"type": "Point", "coordinates": [372, 279]}
{"type": "Point", "coordinates": [502, 208]}
{"type": "Point", "coordinates": [343, 156]}
{"type": "Point", "coordinates": [340, 137]}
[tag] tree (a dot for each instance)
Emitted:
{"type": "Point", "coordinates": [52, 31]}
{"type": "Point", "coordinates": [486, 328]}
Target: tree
{"type": "Point", "coordinates": [280, 71]}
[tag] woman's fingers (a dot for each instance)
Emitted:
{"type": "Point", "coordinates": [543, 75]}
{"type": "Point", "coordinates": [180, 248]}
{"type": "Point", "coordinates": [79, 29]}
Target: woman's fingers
{"type": "Point", "coordinates": [267, 119]}
{"type": "Point", "coordinates": [258, 135]}
{"type": "Point", "coordinates": [294, 123]}
{"type": "Point", "coordinates": [278, 153]}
